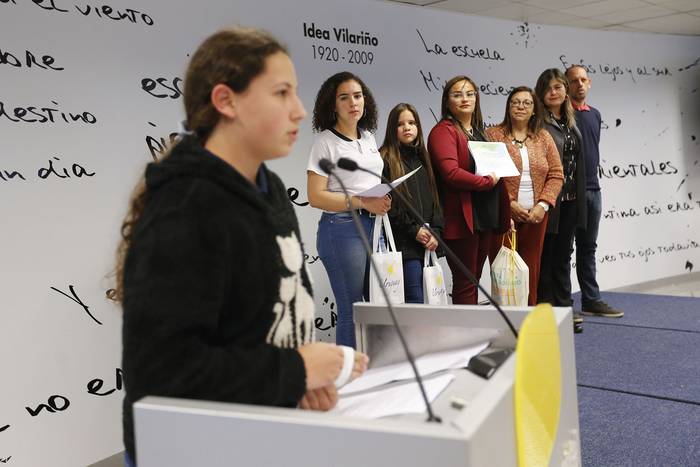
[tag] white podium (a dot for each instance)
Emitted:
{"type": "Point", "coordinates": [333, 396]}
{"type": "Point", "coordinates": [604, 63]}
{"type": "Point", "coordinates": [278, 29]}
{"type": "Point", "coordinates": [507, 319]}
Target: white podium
{"type": "Point", "coordinates": [179, 433]}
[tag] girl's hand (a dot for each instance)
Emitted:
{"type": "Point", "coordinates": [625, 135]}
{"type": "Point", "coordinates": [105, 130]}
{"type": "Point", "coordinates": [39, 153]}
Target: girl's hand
{"type": "Point", "coordinates": [422, 236]}
{"type": "Point", "coordinates": [322, 362]}
{"type": "Point", "coordinates": [379, 206]}
{"type": "Point", "coordinates": [360, 366]}
{"type": "Point", "coordinates": [494, 178]}
{"type": "Point", "coordinates": [425, 238]}
{"type": "Point", "coordinates": [432, 244]}
{"type": "Point", "coordinates": [322, 399]}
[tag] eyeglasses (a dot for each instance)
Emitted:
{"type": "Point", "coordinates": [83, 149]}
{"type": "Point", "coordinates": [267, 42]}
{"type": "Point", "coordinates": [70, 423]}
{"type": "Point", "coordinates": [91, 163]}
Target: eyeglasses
{"type": "Point", "coordinates": [517, 103]}
{"type": "Point", "coordinates": [465, 94]}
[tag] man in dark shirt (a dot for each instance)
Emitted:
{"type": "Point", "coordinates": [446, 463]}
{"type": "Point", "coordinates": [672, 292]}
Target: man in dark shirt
{"type": "Point", "coordinates": [588, 121]}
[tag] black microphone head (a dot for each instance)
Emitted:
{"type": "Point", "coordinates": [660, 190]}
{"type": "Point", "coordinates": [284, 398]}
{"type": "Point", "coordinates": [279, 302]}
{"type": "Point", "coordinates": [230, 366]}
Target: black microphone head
{"type": "Point", "coordinates": [347, 164]}
{"type": "Point", "coordinates": [326, 165]}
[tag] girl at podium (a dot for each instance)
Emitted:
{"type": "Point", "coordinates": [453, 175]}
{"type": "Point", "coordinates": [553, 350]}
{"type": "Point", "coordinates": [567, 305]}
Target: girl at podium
{"type": "Point", "coordinates": [216, 298]}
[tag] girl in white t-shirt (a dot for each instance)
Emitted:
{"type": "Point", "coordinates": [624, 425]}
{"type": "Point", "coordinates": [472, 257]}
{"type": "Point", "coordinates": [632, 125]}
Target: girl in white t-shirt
{"type": "Point", "coordinates": [345, 115]}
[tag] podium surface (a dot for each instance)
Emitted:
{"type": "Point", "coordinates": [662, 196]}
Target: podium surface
{"type": "Point", "coordinates": [177, 432]}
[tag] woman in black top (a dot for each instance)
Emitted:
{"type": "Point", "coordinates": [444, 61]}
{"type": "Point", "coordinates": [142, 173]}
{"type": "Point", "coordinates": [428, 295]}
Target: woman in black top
{"type": "Point", "coordinates": [570, 212]}
{"type": "Point", "coordinates": [404, 151]}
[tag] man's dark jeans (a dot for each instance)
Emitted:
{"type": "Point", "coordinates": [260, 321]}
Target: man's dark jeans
{"type": "Point", "coordinates": [585, 250]}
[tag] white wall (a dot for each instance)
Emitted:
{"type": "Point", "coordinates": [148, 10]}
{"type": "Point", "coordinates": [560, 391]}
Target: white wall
{"type": "Point", "coordinates": [61, 232]}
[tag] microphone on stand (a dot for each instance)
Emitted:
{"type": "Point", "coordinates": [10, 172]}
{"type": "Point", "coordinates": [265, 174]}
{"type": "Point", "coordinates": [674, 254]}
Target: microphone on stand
{"type": "Point", "coordinates": [350, 165]}
{"type": "Point", "coordinates": [329, 167]}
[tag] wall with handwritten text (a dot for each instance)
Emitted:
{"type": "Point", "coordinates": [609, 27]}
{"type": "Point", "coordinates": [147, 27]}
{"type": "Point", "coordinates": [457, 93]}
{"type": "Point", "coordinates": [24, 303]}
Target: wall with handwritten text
{"type": "Point", "coordinates": [91, 92]}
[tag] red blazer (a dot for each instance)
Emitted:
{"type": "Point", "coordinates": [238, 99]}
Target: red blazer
{"type": "Point", "coordinates": [451, 159]}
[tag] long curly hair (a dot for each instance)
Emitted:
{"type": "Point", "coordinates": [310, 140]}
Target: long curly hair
{"type": "Point", "coordinates": [324, 116]}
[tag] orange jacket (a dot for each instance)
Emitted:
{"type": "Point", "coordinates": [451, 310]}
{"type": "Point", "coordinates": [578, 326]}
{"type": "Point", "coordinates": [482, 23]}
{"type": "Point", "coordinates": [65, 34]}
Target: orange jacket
{"type": "Point", "coordinates": [545, 165]}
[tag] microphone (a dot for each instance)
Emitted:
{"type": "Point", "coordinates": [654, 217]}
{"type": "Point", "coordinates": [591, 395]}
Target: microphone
{"type": "Point", "coordinates": [328, 167]}
{"type": "Point", "coordinates": [349, 164]}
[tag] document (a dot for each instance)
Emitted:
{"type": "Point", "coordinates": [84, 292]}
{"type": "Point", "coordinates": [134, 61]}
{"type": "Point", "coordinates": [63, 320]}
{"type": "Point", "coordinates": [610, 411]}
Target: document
{"type": "Point", "coordinates": [395, 400]}
{"type": "Point", "coordinates": [492, 158]}
{"type": "Point", "coordinates": [381, 189]}
{"type": "Point", "coordinates": [426, 364]}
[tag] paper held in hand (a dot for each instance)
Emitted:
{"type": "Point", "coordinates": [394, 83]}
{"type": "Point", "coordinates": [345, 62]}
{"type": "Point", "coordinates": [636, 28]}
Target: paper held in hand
{"type": "Point", "coordinates": [492, 158]}
{"type": "Point", "coordinates": [381, 189]}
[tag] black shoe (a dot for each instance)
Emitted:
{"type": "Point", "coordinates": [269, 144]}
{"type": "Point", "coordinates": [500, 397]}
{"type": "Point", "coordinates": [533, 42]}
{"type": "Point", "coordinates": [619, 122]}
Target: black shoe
{"type": "Point", "coordinates": [578, 319]}
{"type": "Point", "coordinates": [601, 309]}
{"type": "Point", "coordinates": [578, 328]}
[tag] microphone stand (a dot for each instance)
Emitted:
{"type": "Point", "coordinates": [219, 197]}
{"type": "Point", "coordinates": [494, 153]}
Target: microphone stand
{"type": "Point", "coordinates": [349, 164]}
{"type": "Point", "coordinates": [365, 243]}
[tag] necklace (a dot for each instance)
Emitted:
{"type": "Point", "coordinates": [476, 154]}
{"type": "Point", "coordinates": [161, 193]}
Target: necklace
{"type": "Point", "coordinates": [519, 143]}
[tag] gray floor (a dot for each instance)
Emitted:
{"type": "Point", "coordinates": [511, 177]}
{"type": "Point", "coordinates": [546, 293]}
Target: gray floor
{"type": "Point", "coordinates": [687, 285]}
{"type": "Point", "coordinates": [116, 460]}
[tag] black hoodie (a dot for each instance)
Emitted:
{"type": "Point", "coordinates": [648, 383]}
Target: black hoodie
{"type": "Point", "coordinates": [404, 226]}
{"type": "Point", "coordinates": [216, 293]}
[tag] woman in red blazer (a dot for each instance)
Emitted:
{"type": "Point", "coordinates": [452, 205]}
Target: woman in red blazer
{"type": "Point", "coordinates": [475, 207]}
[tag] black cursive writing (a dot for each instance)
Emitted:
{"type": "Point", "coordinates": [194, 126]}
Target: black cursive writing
{"type": "Point", "coordinates": [35, 114]}
{"type": "Point", "coordinates": [106, 11]}
{"type": "Point", "coordinates": [633, 170]}
{"type": "Point", "coordinates": [171, 86]}
{"type": "Point", "coordinates": [293, 194]}
{"type": "Point", "coordinates": [78, 300]}
{"type": "Point", "coordinates": [76, 169]}
{"type": "Point", "coordinates": [47, 61]}
{"type": "Point", "coordinates": [6, 175]}
{"type": "Point", "coordinates": [461, 51]}
{"type": "Point", "coordinates": [56, 403]}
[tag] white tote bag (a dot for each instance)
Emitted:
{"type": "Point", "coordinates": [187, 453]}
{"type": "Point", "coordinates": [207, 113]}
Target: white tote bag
{"type": "Point", "coordinates": [434, 291]}
{"type": "Point", "coordinates": [510, 276]}
{"type": "Point", "coordinates": [389, 263]}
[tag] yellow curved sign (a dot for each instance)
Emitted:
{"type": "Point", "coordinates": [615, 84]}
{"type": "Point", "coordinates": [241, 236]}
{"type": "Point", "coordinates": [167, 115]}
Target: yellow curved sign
{"type": "Point", "coordinates": [537, 387]}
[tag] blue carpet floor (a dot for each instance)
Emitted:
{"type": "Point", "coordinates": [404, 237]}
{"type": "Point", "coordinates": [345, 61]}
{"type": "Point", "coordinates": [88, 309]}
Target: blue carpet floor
{"type": "Point", "coordinates": [640, 360]}
{"type": "Point", "coordinates": [658, 311]}
{"type": "Point", "coordinates": [621, 430]}
{"type": "Point", "coordinates": [639, 383]}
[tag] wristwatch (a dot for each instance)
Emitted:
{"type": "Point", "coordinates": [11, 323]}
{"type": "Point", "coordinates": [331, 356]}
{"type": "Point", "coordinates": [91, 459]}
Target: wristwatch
{"type": "Point", "coordinates": [544, 205]}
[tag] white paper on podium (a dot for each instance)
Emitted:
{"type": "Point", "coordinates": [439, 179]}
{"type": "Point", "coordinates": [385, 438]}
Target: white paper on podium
{"type": "Point", "coordinates": [426, 364]}
{"type": "Point", "coordinates": [395, 400]}
{"type": "Point", "coordinates": [492, 158]}
{"type": "Point", "coordinates": [380, 190]}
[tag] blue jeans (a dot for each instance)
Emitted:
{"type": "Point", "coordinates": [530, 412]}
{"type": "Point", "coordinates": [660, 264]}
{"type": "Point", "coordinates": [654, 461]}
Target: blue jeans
{"type": "Point", "coordinates": [585, 249]}
{"type": "Point", "coordinates": [413, 280]}
{"type": "Point", "coordinates": [340, 248]}
{"type": "Point", "coordinates": [127, 461]}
